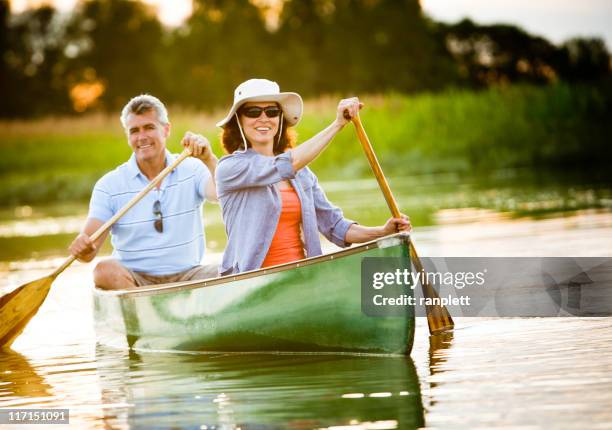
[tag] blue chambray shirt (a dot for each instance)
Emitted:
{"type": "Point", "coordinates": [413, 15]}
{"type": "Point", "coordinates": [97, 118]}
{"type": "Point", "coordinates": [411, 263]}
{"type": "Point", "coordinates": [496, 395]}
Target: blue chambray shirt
{"type": "Point", "coordinates": [136, 243]}
{"type": "Point", "coordinates": [251, 207]}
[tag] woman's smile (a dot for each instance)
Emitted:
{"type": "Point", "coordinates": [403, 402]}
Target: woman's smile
{"type": "Point", "coordinates": [260, 131]}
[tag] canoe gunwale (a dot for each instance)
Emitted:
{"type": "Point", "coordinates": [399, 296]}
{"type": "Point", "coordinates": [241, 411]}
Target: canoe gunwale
{"type": "Point", "coordinates": [391, 240]}
{"type": "Point", "coordinates": [271, 352]}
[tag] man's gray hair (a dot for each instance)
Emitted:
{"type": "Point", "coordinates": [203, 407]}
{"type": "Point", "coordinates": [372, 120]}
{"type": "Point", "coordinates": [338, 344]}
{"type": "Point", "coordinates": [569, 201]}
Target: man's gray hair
{"type": "Point", "coordinates": [143, 104]}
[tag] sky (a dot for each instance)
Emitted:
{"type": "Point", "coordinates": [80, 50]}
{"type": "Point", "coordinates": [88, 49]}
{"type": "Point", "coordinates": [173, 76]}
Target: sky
{"type": "Point", "coordinates": [556, 20]}
{"type": "Point", "coordinates": [170, 12]}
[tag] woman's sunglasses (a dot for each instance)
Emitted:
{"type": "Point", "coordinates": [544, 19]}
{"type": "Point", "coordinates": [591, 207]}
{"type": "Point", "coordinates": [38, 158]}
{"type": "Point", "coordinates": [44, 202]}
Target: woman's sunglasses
{"type": "Point", "coordinates": [255, 111]}
{"type": "Point", "coordinates": [159, 223]}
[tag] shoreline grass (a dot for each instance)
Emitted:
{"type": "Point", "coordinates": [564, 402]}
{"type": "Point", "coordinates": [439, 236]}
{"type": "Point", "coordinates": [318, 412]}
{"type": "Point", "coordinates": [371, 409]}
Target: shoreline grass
{"type": "Point", "coordinates": [554, 127]}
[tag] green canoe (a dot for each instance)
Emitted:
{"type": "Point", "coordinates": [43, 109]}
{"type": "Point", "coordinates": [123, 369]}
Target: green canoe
{"type": "Point", "coordinates": [312, 305]}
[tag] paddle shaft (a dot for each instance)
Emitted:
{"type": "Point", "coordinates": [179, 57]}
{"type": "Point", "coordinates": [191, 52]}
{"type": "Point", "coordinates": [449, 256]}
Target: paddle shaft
{"type": "Point", "coordinates": [438, 318]}
{"type": "Point", "coordinates": [108, 224]}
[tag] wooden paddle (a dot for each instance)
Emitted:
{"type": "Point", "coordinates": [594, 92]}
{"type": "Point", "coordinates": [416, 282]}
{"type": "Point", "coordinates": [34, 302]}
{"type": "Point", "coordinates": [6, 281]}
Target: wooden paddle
{"type": "Point", "coordinates": [21, 304]}
{"type": "Point", "coordinates": [438, 318]}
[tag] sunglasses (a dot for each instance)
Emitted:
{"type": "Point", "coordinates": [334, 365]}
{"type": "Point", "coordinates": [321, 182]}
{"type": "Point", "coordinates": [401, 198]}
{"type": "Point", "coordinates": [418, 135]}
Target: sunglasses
{"type": "Point", "coordinates": [255, 111]}
{"type": "Point", "coordinates": [159, 223]}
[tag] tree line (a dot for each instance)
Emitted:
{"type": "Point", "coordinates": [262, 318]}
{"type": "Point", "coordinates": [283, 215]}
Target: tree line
{"type": "Point", "coordinates": [105, 51]}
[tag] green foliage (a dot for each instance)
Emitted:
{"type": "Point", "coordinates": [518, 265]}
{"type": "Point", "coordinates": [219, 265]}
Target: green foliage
{"type": "Point", "coordinates": [106, 51]}
{"type": "Point", "coordinates": [584, 60]}
{"type": "Point", "coordinates": [118, 43]}
{"type": "Point", "coordinates": [353, 46]}
{"type": "Point", "coordinates": [458, 131]}
{"type": "Point", "coordinates": [32, 72]}
{"type": "Point", "coordinates": [461, 131]}
{"type": "Point", "coordinates": [489, 54]}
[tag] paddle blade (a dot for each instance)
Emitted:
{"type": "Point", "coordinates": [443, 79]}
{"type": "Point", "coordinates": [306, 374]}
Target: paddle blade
{"type": "Point", "coordinates": [439, 320]}
{"type": "Point", "coordinates": [438, 317]}
{"type": "Point", "coordinates": [19, 306]}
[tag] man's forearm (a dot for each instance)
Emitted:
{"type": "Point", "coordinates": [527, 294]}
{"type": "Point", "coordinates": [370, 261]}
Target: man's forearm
{"type": "Point", "coordinates": [211, 164]}
{"type": "Point", "coordinates": [211, 186]}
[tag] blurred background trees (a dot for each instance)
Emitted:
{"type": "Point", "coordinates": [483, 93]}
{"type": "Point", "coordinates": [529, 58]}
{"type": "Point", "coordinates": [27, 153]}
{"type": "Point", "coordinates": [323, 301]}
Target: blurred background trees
{"type": "Point", "coordinates": [106, 51]}
{"type": "Point", "coordinates": [112, 50]}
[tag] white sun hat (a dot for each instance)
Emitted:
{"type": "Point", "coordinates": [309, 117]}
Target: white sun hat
{"type": "Point", "coordinates": [263, 90]}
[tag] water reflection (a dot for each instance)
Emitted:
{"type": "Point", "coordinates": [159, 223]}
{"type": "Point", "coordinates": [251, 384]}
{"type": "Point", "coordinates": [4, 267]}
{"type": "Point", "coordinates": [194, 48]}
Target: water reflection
{"type": "Point", "coordinates": [36, 232]}
{"type": "Point", "coordinates": [258, 391]}
{"type": "Point", "coordinates": [19, 379]}
{"type": "Point", "coordinates": [439, 346]}
{"type": "Point", "coordinates": [527, 373]}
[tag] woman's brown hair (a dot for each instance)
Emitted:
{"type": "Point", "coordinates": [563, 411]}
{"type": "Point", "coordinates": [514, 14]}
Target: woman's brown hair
{"type": "Point", "coordinates": [232, 140]}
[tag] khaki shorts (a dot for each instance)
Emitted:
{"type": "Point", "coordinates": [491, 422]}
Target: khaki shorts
{"type": "Point", "coordinates": [198, 272]}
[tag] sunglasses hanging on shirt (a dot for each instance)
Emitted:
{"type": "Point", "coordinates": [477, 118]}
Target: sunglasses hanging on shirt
{"type": "Point", "coordinates": [159, 217]}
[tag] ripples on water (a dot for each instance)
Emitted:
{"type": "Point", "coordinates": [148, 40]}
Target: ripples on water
{"type": "Point", "coordinates": [519, 373]}
{"type": "Point", "coordinates": [516, 373]}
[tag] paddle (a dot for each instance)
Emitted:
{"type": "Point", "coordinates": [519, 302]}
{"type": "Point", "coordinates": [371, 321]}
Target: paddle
{"type": "Point", "coordinates": [438, 318]}
{"type": "Point", "coordinates": [21, 304]}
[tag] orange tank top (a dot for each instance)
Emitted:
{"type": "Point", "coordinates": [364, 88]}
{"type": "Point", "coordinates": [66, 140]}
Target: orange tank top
{"type": "Point", "coordinates": [286, 244]}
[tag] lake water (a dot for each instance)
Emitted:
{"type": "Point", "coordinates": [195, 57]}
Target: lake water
{"type": "Point", "coordinates": [520, 373]}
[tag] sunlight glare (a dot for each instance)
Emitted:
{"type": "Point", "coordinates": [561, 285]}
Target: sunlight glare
{"type": "Point", "coordinates": [170, 12]}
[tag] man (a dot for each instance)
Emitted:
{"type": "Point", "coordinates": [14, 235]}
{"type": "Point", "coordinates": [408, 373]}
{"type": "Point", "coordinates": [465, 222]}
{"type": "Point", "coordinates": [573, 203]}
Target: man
{"type": "Point", "coordinates": [161, 239]}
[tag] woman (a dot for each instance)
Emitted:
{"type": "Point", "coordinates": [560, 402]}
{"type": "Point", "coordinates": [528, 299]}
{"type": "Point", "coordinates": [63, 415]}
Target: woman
{"type": "Point", "coordinates": [273, 206]}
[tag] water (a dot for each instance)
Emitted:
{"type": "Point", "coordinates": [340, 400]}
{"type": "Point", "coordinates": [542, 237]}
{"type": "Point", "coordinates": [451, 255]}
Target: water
{"type": "Point", "coordinates": [514, 373]}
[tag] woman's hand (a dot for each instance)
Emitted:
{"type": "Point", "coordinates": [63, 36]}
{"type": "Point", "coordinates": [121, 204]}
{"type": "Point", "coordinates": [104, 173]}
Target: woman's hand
{"type": "Point", "coordinates": [309, 150]}
{"type": "Point", "coordinates": [347, 109]}
{"type": "Point", "coordinates": [393, 225]}
{"type": "Point", "coordinates": [361, 233]}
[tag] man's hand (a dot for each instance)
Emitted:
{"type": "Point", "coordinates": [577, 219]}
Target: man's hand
{"type": "Point", "coordinates": [201, 149]}
{"type": "Point", "coordinates": [83, 248]}
{"type": "Point", "coordinates": [199, 146]}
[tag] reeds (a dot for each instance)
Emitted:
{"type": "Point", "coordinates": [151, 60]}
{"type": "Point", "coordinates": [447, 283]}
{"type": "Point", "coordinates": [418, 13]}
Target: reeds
{"type": "Point", "coordinates": [459, 131]}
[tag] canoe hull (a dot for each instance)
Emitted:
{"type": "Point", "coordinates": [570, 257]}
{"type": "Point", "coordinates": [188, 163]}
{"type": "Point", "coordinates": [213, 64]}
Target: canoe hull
{"type": "Point", "coordinates": [311, 306]}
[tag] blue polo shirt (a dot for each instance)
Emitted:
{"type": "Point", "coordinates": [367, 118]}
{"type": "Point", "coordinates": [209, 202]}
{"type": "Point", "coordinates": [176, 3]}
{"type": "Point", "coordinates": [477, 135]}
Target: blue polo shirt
{"type": "Point", "coordinates": [136, 243]}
